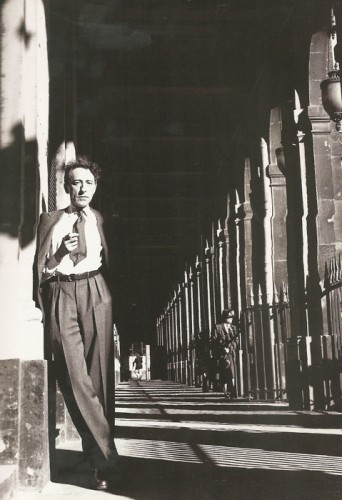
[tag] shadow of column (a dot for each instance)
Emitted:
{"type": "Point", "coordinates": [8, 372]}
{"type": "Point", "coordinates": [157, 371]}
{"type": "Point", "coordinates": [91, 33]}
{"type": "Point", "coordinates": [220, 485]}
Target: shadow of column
{"type": "Point", "coordinates": [19, 189]}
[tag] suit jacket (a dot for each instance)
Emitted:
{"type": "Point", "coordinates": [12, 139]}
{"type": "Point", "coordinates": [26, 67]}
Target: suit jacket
{"type": "Point", "coordinates": [47, 222]}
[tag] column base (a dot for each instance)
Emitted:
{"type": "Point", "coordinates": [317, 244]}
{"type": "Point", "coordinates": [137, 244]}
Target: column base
{"type": "Point", "coordinates": [24, 421]}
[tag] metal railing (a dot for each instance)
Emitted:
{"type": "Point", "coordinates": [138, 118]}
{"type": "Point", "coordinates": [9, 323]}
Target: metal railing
{"type": "Point", "coordinates": [265, 331]}
{"type": "Point", "coordinates": [333, 296]}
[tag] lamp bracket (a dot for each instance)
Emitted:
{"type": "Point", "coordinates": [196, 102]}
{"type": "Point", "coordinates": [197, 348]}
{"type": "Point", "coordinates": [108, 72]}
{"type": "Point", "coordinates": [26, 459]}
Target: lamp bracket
{"type": "Point", "coordinates": [337, 118]}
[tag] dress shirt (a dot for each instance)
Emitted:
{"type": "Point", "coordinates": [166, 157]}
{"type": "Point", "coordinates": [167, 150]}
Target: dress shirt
{"type": "Point", "coordinates": [64, 226]}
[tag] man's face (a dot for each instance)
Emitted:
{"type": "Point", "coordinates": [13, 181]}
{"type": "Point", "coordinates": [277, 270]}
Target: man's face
{"type": "Point", "coordinates": [81, 187]}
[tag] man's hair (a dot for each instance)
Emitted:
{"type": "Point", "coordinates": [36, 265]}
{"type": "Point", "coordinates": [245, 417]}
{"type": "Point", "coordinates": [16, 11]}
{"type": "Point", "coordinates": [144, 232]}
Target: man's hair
{"type": "Point", "coordinates": [82, 162]}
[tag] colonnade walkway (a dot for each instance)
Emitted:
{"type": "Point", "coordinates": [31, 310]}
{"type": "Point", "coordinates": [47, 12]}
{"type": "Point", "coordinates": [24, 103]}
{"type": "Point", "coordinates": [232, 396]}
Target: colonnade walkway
{"type": "Point", "coordinates": [178, 443]}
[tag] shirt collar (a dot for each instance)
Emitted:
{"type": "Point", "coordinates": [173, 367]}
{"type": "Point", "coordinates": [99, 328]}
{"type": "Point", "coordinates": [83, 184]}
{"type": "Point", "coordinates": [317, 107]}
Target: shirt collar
{"type": "Point", "coordinates": [72, 210]}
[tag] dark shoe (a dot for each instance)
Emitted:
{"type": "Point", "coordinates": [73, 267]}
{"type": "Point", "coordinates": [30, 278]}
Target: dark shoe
{"type": "Point", "coordinates": [101, 484]}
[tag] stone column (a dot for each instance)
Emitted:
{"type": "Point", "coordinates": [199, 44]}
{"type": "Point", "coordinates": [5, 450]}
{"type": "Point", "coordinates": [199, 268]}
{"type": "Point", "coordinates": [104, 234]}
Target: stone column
{"type": "Point", "coordinates": [23, 149]}
{"type": "Point", "coordinates": [221, 267]}
{"type": "Point", "coordinates": [241, 292]}
{"type": "Point", "coordinates": [192, 304]}
{"type": "Point", "coordinates": [208, 286]}
{"type": "Point", "coordinates": [163, 330]}
{"type": "Point", "coordinates": [278, 200]}
{"type": "Point", "coordinates": [322, 219]}
{"type": "Point", "coordinates": [175, 335]}
{"type": "Point", "coordinates": [198, 267]}
{"type": "Point", "coordinates": [215, 284]}
{"type": "Point", "coordinates": [187, 327]}
{"type": "Point", "coordinates": [275, 172]}
{"type": "Point", "coordinates": [180, 330]}
{"type": "Point", "coordinates": [192, 326]}
{"type": "Point", "coordinates": [267, 278]}
{"type": "Point", "coordinates": [167, 344]}
{"type": "Point", "coordinates": [158, 329]}
{"type": "Point", "coordinates": [169, 337]}
{"type": "Point", "coordinates": [172, 339]}
{"type": "Point", "coordinates": [293, 158]}
{"type": "Point", "coordinates": [172, 342]}
{"type": "Point", "coordinates": [226, 233]}
{"type": "Point", "coordinates": [247, 231]}
{"type": "Point", "coordinates": [244, 243]}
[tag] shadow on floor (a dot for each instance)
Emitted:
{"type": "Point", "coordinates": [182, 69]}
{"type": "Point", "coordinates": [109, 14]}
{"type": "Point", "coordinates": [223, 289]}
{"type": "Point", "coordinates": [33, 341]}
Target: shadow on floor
{"type": "Point", "coordinates": [166, 480]}
{"type": "Point", "coordinates": [70, 467]}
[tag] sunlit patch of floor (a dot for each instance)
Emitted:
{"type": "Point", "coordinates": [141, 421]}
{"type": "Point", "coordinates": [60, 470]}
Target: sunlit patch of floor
{"type": "Point", "coordinates": [225, 456]}
{"type": "Point", "coordinates": [251, 458]}
{"type": "Point", "coordinates": [119, 403]}
{"type": "Point", "coordinates": [152, 409]}
{"type": "Point", "coordinates": [157, 450]}
{"type": "Point", "coordinates": [225, 427]}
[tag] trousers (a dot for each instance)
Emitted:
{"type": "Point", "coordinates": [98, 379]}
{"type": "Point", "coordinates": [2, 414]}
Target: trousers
{"type": "Point", "coordinates": [78, 323]}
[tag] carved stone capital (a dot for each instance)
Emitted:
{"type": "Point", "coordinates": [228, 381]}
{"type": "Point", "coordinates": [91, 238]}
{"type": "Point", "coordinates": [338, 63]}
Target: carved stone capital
{"type": "Point", "coordinates": [275, 175]}
{"type": "Point", "coordinates": [320, 121]}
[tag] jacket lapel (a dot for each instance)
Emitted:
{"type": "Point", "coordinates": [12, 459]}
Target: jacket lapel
{"type": "Point", "coordinates": [102, 236]}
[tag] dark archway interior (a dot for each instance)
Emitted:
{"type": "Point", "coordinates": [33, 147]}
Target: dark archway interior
{"type": "Point", "coordinates": [157, 89]}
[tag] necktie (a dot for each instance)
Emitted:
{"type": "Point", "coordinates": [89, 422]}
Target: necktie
{"type": "Point", "coordinates": [80, 252]}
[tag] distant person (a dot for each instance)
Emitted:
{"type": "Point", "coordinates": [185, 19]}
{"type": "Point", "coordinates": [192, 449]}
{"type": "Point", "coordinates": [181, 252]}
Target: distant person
{"type": "Point", "coordinates": [137, 365]}
{"type": "Point", "coordinates": [225, 342]}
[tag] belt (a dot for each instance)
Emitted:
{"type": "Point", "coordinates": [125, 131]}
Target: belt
{"type": "Point", "coordinates": [73, 277]}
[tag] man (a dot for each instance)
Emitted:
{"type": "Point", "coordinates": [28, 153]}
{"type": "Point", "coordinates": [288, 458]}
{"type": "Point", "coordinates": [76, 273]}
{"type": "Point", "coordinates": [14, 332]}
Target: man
{"type": "Point", "coordinates": [225, 342]}
{"type": "Point", "coordinates": [70, 269]}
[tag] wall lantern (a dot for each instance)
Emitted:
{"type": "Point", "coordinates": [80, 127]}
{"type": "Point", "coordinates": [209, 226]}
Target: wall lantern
{"type": "Point", "coordinates": [332, 96]}
{"type": "Point", "coordinates": [331, 87]}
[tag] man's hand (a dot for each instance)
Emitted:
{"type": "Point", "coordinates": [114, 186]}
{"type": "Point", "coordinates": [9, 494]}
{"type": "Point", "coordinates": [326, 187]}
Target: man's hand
{"type": "Point", "coordinates": [69, 243]}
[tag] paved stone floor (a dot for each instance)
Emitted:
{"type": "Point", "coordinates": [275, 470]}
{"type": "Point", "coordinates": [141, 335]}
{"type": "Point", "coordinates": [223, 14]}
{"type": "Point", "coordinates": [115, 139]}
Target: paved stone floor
{"type": "Point", "coordinates": [177, 443]}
